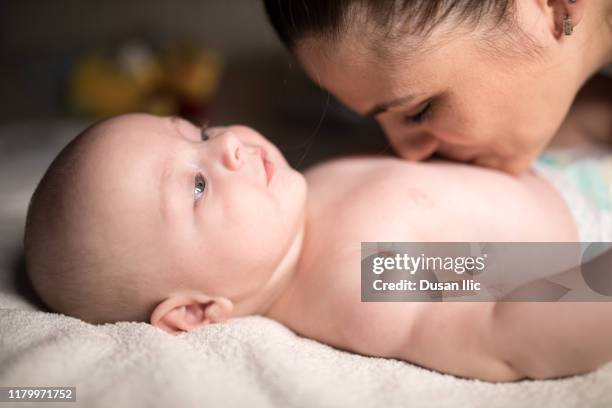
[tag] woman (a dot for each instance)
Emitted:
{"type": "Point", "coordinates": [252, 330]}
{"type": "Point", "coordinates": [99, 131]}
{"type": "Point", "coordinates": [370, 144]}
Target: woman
{"type": "Point", "coordinates": [482, 81]}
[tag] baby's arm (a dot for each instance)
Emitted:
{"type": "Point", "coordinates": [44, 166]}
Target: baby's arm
{"type": "Point", "coordinates": [548, 340]}
{"type": "Point", "coordinates": [556, 339]}
{"type": "Point", "coordinates": [507, 341]}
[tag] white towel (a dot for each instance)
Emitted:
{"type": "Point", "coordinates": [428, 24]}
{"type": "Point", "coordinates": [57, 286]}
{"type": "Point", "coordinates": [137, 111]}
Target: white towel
{"type": "Point", "coordinates": [252, 362]}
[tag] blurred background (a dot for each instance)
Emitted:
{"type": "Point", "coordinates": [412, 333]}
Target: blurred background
{"type": "Point", "coordinates": [66, 63]}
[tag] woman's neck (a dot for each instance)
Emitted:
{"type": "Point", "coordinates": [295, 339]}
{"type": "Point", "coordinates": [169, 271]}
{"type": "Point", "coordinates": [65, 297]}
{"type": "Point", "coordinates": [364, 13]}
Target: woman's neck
{"type": "Point", "coordinates": [595, 39]}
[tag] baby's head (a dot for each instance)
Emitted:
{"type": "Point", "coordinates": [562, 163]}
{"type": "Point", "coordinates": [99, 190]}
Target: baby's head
{"type": "Point", "coordinates": [143, 218]}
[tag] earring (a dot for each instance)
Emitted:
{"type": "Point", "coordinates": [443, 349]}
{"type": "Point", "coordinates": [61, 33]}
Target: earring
{"type": "Point", "coordinates": [567, 25]}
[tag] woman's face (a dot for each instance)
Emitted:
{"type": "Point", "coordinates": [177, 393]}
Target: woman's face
{"type": "Point", "coordinates": [458, 98]}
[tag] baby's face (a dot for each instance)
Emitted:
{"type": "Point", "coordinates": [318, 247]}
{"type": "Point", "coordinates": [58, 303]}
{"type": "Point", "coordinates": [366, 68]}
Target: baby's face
{"type": "Point", "coordinates": [216, 215]}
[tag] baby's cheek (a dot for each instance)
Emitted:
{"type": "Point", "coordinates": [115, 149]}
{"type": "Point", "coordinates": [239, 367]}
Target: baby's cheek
{"type": "Point", "coordinates": [253, 240]}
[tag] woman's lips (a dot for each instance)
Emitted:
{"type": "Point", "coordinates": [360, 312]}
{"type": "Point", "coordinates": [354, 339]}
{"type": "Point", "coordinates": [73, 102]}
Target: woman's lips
{"type": "Point", "coordinates": [268, 166]}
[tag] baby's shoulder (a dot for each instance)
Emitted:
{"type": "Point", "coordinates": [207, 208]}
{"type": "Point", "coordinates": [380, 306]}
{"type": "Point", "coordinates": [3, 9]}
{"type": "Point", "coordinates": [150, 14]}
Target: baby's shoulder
{"type": "Point", "coordinates": [367, 199]}
{"type": "Point", "coordinates": [369, 179]}
{"type": "Point", "coordinates": [347, 174]}
{"type": "Point", "coordinates": [348, 166]}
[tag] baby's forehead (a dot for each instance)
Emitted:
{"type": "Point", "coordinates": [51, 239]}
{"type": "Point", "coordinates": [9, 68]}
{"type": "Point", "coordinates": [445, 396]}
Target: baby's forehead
{"type": "Point", "coordinates": [122, 158]}
{"type": "Point", "coordinates": [120, 141]}
{"type": "Point", "coordinates": [131, 129]}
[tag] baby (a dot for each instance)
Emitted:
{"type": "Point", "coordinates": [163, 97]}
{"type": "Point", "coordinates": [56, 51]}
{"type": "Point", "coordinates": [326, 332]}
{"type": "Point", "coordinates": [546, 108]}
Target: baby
{"type": "Point", "coordinates": [153, 219]}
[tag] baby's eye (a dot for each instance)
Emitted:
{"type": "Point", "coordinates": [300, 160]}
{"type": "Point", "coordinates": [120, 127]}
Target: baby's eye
{"type": "Point", "coordinates": [199, 187]}
{"type": "Point", "coordinates": [204, 132]}
{"type": "Point", "coordinates": [204, 135]}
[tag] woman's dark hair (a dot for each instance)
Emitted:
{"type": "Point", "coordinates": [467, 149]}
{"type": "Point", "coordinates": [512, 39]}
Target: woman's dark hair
{"type": "Point", "coordinates": [294, 20]}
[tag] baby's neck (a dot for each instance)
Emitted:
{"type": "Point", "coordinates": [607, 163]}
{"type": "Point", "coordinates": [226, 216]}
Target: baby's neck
{"type": "Point", "coordinates": [278, 283]}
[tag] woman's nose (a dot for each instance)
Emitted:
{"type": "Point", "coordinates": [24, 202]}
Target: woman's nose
{"type": "Point", "coordinates": [411, 145]}
{"type": "Point", "coordinates": [231, 150]}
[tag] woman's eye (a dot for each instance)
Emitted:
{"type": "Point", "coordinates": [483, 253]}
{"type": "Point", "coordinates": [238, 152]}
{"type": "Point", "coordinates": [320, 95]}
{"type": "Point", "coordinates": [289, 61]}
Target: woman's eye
{"type": "Point", "coordinates": [199, 187]}
{"type": "Point", "coordinates": [421, 116]}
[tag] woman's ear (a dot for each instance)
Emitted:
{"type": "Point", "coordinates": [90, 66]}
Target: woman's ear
{"type": "Point", "coordinates": [564, 12]}
{"type": "Point", "coordinates": [187, 311]}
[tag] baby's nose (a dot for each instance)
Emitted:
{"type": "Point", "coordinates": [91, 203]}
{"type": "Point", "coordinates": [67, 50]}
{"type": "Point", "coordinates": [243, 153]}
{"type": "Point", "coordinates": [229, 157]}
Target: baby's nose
{"type": "Point", "coordinates": [231, 150]}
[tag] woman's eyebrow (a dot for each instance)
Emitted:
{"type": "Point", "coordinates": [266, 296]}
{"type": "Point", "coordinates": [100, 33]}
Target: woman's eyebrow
{"type": "Point", "coordinates": [385, 106]}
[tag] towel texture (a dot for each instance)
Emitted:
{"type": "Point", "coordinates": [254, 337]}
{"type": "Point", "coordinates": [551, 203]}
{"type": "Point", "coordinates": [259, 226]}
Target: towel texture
{"type": "Point", "coordinates": [252, 361]}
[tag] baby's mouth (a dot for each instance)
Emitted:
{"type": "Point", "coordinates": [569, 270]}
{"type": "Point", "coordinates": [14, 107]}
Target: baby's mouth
{"type": "Point", "coordinates": [267, 165]}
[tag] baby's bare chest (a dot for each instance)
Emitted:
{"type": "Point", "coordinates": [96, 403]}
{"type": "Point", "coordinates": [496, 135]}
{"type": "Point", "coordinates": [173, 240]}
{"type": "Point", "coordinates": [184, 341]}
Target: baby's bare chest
{"type": "Point", "coordinates": [325, 304]}
{"type": "Point", "coordinates": [370, 209]}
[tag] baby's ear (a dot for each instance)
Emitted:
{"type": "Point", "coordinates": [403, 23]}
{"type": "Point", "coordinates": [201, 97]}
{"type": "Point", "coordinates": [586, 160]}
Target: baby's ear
{"type": "Point", "coordinates": [187, 311]}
